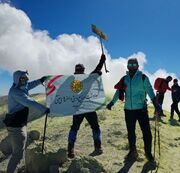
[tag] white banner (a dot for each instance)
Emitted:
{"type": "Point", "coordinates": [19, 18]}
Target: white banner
{"type": "Point", "coordinates": [75, 94]}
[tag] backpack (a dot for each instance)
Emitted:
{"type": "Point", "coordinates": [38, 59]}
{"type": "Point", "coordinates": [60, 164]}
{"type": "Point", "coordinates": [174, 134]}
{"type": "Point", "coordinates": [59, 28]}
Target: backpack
{"type": "Point", "coordinates": [157, 84]}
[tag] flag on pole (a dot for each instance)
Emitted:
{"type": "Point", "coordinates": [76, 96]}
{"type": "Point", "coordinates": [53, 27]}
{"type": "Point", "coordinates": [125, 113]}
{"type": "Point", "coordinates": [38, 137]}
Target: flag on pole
{"type": "Point", "coordinates": [74, 94]}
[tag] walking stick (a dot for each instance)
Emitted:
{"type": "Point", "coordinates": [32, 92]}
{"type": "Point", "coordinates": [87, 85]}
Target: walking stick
{"type": "Point", "coordinates": [44, 135]}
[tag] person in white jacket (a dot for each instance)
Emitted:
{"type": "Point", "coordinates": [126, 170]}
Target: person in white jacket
{"type": "Point", "coordinates": [19, 102]}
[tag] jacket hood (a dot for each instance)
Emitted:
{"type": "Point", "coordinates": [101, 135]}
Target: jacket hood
{"type": "Point", "coordinates": [17, 75]}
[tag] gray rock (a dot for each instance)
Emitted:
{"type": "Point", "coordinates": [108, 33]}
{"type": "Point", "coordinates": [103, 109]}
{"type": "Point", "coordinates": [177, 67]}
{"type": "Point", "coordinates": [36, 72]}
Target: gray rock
{"type": "Point", "coordinates": [5, 146]}
{"type": "Point", "coordinates": [85, 164]}
{"type": "Point", "coordinates": [34, 135]}
{"type": "Point", "coordinates": [54, 169]}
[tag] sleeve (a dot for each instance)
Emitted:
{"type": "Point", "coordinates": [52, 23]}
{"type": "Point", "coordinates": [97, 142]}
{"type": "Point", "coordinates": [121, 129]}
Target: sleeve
{"type": "Point", "coordinates": [33, 84]}
{"type": "Point", "coordinates": [99, 66]}
{"type": "Point", "coordinates": [149, 89]}
{"type": "Point", "coordinates": [169, 88]}
{"type": "Point", "coordinates": [25, 100]}
{"type": "Point", "coordinates": [115, 97]}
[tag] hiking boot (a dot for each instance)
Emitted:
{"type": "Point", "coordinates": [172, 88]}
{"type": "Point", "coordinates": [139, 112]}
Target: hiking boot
{"type": "Point", "coordinates": [149, 157]}
{"type": "Point", "coordinates": [132, 155]}
{"type": "Point", "coordinates": [162, 115]}
{"type": "Point", "coordinates": [71, 153]}
{"type": "Point", "coordinates": [97, 149]}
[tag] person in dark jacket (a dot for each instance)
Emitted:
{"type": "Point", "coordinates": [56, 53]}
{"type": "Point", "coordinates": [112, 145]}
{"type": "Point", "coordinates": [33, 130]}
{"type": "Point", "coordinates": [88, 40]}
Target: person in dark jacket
{"type": "Point", "coordinates": [19, 102]}
{"type": "Point", "coordinates": [161, 90]}
{"type": "Point", "coordinates": [175, 98]}
{"type": "Point", "coordinates": [135, 87]}
{"type": "Point", "coordinates": [91, 117]}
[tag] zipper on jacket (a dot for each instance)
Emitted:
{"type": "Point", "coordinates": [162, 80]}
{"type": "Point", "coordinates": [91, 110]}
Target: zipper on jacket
{"type": "Point", "coordinates": [130, 92]}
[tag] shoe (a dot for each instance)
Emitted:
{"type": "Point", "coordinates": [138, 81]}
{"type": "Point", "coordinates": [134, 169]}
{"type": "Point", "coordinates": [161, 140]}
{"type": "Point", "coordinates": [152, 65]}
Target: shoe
{"type": "Point", "coordinates": [98, 151]}
{"type": "Point", "coordinates": [132, 155]}
{"type": "Point", "coordinates": [162, 115]}
{"type": "Point", "coordinates": [71, 153]}
{"type": "Point", "coordinates": [149, 157]}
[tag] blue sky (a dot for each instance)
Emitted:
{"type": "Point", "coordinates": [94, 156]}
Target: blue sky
{"type": "Point", "coordinates": [149, 26]}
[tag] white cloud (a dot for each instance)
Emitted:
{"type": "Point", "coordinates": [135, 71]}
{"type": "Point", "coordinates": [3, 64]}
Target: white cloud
{"type": "Point", "coordinates": [34, 50]}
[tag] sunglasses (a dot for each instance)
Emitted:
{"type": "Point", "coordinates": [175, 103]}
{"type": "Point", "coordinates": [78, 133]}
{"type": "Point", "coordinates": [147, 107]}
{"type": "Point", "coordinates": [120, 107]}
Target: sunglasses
{"type": "Point", "coordinates": [23, 78]}
{"type": "Point", "coordinates": [132, 65]}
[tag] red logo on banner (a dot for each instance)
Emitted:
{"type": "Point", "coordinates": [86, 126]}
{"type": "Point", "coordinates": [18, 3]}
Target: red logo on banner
{"type": "Point", "coordinates": [51, 86]}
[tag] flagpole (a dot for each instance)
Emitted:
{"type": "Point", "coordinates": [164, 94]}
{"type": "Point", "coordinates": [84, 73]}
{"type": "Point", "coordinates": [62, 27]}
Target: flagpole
{"type": "Point", "coordinates": [44, 135]}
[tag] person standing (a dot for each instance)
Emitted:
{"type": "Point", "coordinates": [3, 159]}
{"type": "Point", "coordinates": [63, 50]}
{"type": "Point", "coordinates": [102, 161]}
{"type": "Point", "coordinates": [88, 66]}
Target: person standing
{"type": "Point", "coordinates": [91, 117]}
{"type": "Point", "coordinates": [161, 85]}
{"type": "Point", "coordinates": [15, 120]}
{"type": "Point", "coordinates": [175, 98]}
{"type": "Point", "coordinates": [135, 85]}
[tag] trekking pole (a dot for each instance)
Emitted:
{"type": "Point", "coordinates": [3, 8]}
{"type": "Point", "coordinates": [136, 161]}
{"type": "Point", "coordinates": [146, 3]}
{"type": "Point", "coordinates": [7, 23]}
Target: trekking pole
{"type": "Point", "coordinates": [44, 135]}
{"type": "Point", "coordinates": [155, 136]}
{"type": "Point", "coordinates": [159, 145]}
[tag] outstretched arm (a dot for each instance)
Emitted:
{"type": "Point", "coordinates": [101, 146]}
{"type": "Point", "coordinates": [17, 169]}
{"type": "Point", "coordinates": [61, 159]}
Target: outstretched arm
{"type": "Point", "coordinates": [114, 100]}
{"type": "Point", "coordinates": [100, 64]}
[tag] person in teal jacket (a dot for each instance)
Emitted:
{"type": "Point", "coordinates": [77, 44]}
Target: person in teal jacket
{"type": "Point", "coordinates": [135, 85]}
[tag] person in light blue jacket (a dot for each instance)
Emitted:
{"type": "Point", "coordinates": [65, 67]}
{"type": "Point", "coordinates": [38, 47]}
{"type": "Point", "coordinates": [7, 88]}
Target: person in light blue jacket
{"type": "Point", "coordinates": [135, 85]}
{"type": "Point", "coordinates": [19, 103]}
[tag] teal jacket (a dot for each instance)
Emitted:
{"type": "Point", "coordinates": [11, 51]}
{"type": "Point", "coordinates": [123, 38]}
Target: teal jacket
{"type": "Point", "coordinates": [135, 92]}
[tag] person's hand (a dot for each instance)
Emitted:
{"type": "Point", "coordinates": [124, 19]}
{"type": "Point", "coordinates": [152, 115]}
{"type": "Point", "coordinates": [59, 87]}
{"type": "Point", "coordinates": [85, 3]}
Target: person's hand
{"type": "Point", "coordinates": [109, 105]}
{"type": "Point", "coordinates": [47, 111]}
{"type": "Point", "coordinates": [158, 109]}
{"type": "Point", "coordinates": [43, 79]}
{"type": "Point", "coordinates": [103, 57]}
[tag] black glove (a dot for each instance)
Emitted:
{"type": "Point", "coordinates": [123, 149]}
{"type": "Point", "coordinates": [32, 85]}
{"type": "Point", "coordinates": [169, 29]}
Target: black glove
{"type": "Point", "coordinates": [43, 79]}
{"type": "Point", "coordinates": [47, 111]}
{"type": "Point", "coordinates": [103, 58]}
{"type": "Point", "coordinates": [158, 109]}
{"type": "Point", "coordinates": [109, 105]}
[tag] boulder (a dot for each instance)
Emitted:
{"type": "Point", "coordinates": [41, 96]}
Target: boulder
{"type": "Point", "coordinates": [85, 164]}
{"type": "Point", "coordinates": [34, 135]}
{"type": "Point", "coordinates": [5, 146]}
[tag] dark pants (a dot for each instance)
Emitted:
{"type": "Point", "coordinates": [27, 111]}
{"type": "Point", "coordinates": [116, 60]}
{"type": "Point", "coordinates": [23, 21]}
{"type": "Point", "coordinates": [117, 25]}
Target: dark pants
{"type": "Point", "coordinates": [92, 119]}
{"type": "Point", "coordinates": [160, 97]}
{"type": "Point", "coordinates": [131, 116]}
{"type": "Point", "coordinates": [174, 107]}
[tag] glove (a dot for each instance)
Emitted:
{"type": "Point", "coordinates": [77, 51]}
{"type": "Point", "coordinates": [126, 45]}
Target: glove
{"type": "Point", "coordinates": [47, 111]}
{"type": "Point", "coordinates": [109, 105]}
{"type": "Point", "coordinates": [103, 57]}
{"type": "Point", "coordinates": [43, 79]}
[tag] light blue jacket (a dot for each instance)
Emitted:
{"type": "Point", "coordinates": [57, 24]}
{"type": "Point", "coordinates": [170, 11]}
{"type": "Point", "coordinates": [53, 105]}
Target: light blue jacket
{"type": "Point", "coordinates": [18, 96]}
{"type": "Point", "coordinates": [135, 93]}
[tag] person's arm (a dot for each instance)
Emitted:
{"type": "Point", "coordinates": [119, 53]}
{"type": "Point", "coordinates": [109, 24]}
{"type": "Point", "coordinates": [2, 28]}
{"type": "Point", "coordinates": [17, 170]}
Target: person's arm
{"type": "Point", "coordinates": [169, 88]}
{"type": "Point", "coordinates": [149, 89]}
{"type": "Point", "coordinates": [100, 64]}
{"type": "Point", "coordinates": [114, 100]}
{"type": "Point", "coordinates": [34, 84]}
{"type": "Point", "coordinates": [25, 100]}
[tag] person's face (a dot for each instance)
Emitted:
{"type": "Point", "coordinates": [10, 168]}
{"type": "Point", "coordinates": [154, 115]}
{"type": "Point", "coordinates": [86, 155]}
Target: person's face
{"type": "Point", "coordinates": [23, 80]}
{"type": "Point", "coordinates": [132, 65]}
{"type": "Point", "coordinates": [79, 70]}
{"type": "Point", "coordinates": [175, 83]}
